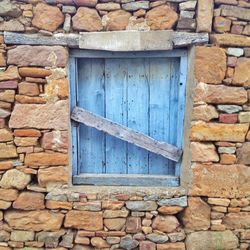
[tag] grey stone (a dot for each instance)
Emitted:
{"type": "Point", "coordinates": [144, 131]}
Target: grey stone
{"type": "Point", "coordinates": [126, 40]}
{"type": "Point", "coordinates": [88, 206]}
{"type": "Point", "coordinates": [247, 52]}
{"type": "Point", "coordinates": [67, 23]}
{"type": "Point", "coordinates": [127, 1]}
{"type": "Point", "coordinates": [67, 240]}
{"type": "Point", "coordinates": [18, 235]}
{"type": "Point", "coordinates": [211, 240]}
{"type": "Point", "coordinates": [234, 11]}
{"type": "Point", "coordinates": [186, 24]}
{"type": "Point", "coordinates": [235, 52]}
{"type": "Point", "coordinates": [151, 197]}
{"type": "Point", "coordinates": [184, 39]}
{"type": "Point", "coordinates": [9, 9]}
{"type": "Point", "coordinates": [137, 214]}
{"type": "Point", "coordinates": [69, 9]}
{"type": "Point", "coordinates": [70, 40]}
{"type": "Point", "coordinates": [189, 5]}
{"type": "Point", "coordinates": [128, 243]}
{"type": "Point", "coordinates": [113, 240]}
{"type": "Point", "coordinates": [12, 25]}
{"type": "Point", "coordinates": [56, 197]}
{"type": "Point", "coordinates": [133, 6]}
{"type": "Point", "coordinates": [226, 150]}
{"type": "Point", "coordinates": [187, 14]}
{"type": "Point", "coordinates": [177, 236]}
{"type": "Point", "coordinates": [157, 238]}
{"type": "Point", "coordinates": [4, 113]}
{"type": "Point", "coordinates": [229, 109]}
{"type": "Point", "coordinates": [50, 238]}
{"type": "Point", "coordinates": [141, 205]}
{"type": "Point", "coordinates": [4, 235]}
{"type": "Point", "coordinates": [180, 201]}
{"type": "Point", "coordinates": [73, 196]}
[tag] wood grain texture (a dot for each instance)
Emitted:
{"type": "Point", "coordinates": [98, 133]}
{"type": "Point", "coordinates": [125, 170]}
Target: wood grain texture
{"type": "Point", "coordinates": [126, 134]}
{"type": "Point", "coordinates": [126, 180]}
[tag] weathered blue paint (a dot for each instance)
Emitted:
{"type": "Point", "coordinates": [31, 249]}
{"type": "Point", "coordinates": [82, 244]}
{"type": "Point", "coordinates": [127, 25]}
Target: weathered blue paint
{"type": "Point", "coordinates": [142, 90]}
{"type": "Point", "coordinates": [116, 110]}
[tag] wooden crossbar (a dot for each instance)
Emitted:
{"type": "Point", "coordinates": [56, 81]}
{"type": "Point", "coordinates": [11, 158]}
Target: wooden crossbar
{"type": "Point", "coordinates": [126, 134]}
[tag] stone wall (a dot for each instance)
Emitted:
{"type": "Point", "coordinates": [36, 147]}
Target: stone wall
{"type": "Point", "coordinates": [38, 208]}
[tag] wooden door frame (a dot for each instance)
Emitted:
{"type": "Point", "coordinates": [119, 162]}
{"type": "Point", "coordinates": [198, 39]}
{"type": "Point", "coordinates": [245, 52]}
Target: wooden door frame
{"type": "Point", "coordinates": [119, 179]}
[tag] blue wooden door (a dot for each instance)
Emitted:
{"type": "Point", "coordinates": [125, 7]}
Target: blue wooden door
{"type": "Point", "coordinates": [140, 93]}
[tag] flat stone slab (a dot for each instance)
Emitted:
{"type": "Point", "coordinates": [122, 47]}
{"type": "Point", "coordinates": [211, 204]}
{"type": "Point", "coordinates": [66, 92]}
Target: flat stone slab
{"type": "Point", "coordinates": [179, 201]}
{"type": "Point", "coordinates": [42, 116]}
{"type": "Point", "coordinates": [140, 41]}
{"type": "Point", "coordinates": [126, 40]}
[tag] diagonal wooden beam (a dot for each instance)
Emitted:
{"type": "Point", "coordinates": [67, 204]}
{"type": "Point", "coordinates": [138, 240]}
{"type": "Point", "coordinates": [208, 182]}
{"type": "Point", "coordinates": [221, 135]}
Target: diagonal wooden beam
{"type": "Point", "coordinates": [126, 134]}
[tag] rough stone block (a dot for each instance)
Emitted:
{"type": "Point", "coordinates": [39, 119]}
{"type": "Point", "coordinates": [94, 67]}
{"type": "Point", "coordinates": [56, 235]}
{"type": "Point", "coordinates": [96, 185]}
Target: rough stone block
{"type": "Point", "coordinates": [228, 181]}
{"type": "Point", "coordinates": [44, 56]}
{"type": "Point", "coordinates": [47, 116]}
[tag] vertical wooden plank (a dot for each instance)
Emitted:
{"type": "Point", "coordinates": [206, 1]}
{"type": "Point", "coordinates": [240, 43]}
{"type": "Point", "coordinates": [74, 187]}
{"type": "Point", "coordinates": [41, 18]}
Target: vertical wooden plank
{"type": "Point", "coordinates": [116, 110]}
{"type": "Point", "coordinates": [181, 106]}
{"type": "Point", "coordinates": [91, 97]}
{"type": "Point", "coordinates": [73, 102]}
{"type": "Point", "coordinates": [138, 99]}
{"type": "Point", "coordinates": [159, 108]}
{"type": "Point", "coordinates": [173, 112]}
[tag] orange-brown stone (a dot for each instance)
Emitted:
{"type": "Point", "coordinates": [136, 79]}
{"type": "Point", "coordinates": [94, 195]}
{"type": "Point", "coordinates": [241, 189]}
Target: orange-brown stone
{"type": "Point", "coordinates": [171, 246]}
{"type": "Point", "coordinates": [5, 165]}
{"type": "Point", "coordinates": [29, 201]}
{"type": "Point", "coordinates": [28, 88]}
{"type": "Point", "coordinates": [5, 135]}
{"type": "Point", "coordinates": [237, 220]}
{"type": "Point", "coordinates": [87, 19]}
{"type": "Point", "coordinates": [50, 204]}
{"type": "Point", "coordinates": [227, 159]}
{"type": "Point", "coordinates": [242, 72]}
{"type": "Point", "coordinates": [53, 175]}
{"type": "Point", "coordinates": [161, 18]}
{"type": "Point", "coordinates": [223, 181]}
{"type": "Point", "coordinates": [30, 100]}
{"type": "Point", "coordinates": [210, 64]}
{"type": "Point", "coordinates": [46, 159]}
{"type": "Point", "coordinates": [197, 215]}
{"type": "Point", "coordinates": [47, 17]}
{"type": "Point", "coordinates": [220, 94]}
{"type": "Point", "coordinates": [205, 15]}
{"type": "Point", "coordinates": [204, 152]}
{"type": "Point", "coordinates": [165, 223]}
{"type": "Point", "coordinates": [8, 194]}
{"type": "Point", "coordinates": [86, 220]}
{"type": "Point", "coordinates": [25, 141]}
{"type": "Point", "coordinates": [228, 39]}
{"type": "Point", "coordinates": [204, 113]}
{"type": "Point", "coordinates": [11, 73]}
{"type": "Point", "coordinates": [27, 132]}
{"type": "Point", "coordinates": [201, 131]}
{"type": "Point", "coordinates": [170, 210]}
{"type": "Point", "coordinates": [34, 72]}
{"type": "Point", "coordinates": [117, 20]}
{"type": "Point", "coordinates": [42, 220]}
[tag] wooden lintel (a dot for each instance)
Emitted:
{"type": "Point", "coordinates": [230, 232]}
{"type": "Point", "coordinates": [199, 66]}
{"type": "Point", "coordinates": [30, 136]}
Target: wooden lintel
{"type": "Point", "coordinates": [69, 40]}
{"type": "Point", "coordinates": [126, 134]}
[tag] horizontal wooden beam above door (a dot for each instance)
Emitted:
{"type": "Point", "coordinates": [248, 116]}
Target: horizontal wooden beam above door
{"type": "Point", "coordinates": [126, 134]}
